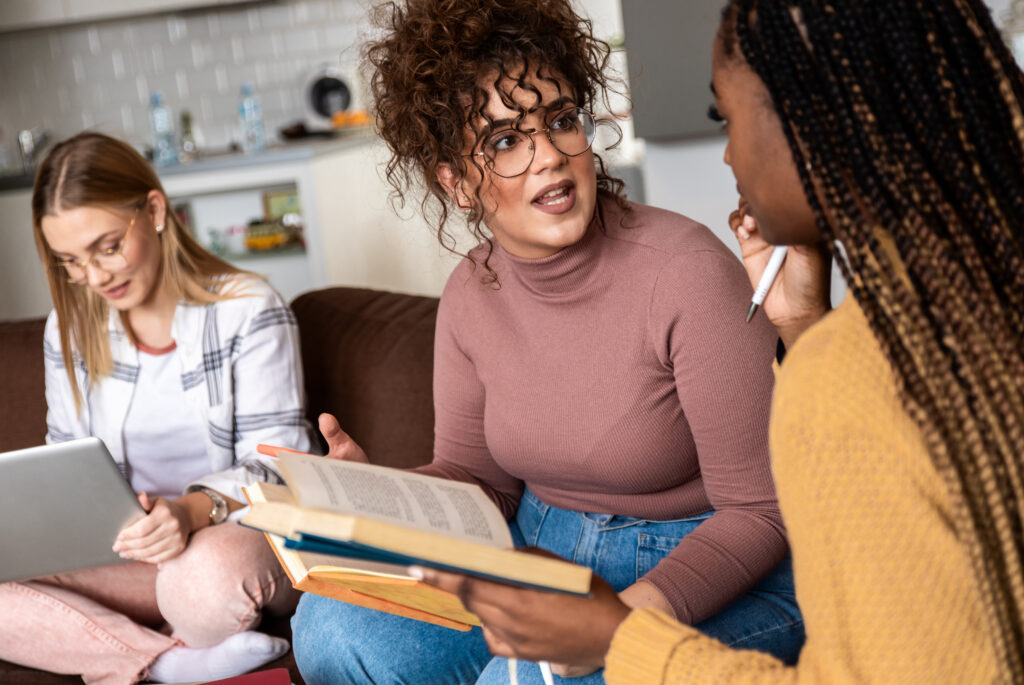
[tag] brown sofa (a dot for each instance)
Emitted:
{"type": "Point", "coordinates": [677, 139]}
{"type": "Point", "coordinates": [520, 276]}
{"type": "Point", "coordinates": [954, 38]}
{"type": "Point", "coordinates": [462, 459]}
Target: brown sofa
{"type": "Point", "coordinates": [368, 359]}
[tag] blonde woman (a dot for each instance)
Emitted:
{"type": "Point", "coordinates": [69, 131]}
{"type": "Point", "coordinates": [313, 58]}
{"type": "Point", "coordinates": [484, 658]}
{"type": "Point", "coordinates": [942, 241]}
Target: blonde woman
{"type": "Point", "coordinates": [181, 364]}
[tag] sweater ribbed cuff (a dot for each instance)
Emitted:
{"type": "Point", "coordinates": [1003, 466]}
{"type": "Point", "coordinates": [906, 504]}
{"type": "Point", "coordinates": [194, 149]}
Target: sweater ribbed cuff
{"type": "Point", "coordinates": [642, 647]}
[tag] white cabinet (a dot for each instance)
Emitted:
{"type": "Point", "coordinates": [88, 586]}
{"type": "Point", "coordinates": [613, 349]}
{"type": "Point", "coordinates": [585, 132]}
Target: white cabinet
{"type": "Point", "coordinates": [28, 14]}
{"type": "Point", "coordinates": [365, 243]}
{"type": "Point", "coordinates": [16, 14]}
{"type": "Point", "coordinates": [24, 292]}
{"type": "Point", "coordinates": [219, 199]}
{"type": "Point", "coordinates": [353, 235]}
{"type": "Point", "coordinates": [89, 10]}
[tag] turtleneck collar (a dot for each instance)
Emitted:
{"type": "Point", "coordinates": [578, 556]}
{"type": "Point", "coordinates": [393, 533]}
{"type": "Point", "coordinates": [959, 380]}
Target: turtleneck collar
{"type": "Point", "coordinates": [564, 273]}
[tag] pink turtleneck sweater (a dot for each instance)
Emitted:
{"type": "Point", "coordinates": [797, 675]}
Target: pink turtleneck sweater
{"type": "Point", "coordinates": [617, 376]}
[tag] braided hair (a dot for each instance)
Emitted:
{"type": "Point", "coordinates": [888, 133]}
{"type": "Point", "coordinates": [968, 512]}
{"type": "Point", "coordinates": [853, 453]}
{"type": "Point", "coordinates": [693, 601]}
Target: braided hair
{"type": "Point", "coordinates": [905, 120]}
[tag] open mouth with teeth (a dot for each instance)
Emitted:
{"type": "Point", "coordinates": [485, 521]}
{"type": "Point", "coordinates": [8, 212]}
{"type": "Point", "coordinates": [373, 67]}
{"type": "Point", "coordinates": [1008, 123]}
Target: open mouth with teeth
{"type": "Point", "coordinates": [556, 197]}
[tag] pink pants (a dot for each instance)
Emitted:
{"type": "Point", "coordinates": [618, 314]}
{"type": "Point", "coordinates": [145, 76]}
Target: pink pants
{"type": "Point", "coordinates": [100, 622]}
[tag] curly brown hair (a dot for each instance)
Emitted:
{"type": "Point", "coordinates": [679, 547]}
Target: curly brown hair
{"type": "Point", "coordinates": [430, 72]}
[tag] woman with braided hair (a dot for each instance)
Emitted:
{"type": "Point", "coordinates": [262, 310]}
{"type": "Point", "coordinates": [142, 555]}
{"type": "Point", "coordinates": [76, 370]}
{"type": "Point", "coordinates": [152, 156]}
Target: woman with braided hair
{"type": "Point", "coordinates": [890, 133]}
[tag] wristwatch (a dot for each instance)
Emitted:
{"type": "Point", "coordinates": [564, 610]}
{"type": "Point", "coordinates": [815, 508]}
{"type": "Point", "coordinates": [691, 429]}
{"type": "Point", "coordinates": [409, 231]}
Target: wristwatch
{"type": "Point", "coordinates": [219, 513]}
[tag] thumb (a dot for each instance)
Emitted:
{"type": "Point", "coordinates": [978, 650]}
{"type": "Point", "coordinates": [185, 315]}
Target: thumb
{"type": "Point", "coordinates": [332, 432]}
{"type": "Point", "coordinates": [340, 444]}
{"type": "Point", "coordinates": [145, 502]}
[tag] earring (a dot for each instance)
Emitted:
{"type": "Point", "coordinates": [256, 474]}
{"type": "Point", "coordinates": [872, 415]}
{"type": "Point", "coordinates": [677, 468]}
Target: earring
{"type": "Point", "coordinates": [159, 227]}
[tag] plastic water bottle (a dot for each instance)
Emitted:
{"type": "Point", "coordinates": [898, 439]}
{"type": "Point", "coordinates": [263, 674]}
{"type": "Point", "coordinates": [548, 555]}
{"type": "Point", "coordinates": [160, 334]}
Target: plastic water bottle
{"type": "Point", "coordinates": [250, 118]}
{"type": "Point", "coordinates": [162, 124]}
{"type": "Point", "coordinates": [188, 151]}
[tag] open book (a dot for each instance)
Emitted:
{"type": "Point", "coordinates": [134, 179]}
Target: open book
{"type": "Point", "coordinates": [349, 531]}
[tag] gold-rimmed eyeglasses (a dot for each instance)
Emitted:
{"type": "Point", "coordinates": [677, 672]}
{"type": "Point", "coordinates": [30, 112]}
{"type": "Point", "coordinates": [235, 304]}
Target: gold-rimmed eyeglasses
{"type": "Point", "coordinates": [110, 259]}
{"type": "Point", "coordinates": [509, 152]}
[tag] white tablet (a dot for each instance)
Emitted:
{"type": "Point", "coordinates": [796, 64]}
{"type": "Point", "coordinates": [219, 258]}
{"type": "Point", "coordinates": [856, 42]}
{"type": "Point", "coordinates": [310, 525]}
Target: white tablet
{"type": "Point", "coordinates": [61, 507]}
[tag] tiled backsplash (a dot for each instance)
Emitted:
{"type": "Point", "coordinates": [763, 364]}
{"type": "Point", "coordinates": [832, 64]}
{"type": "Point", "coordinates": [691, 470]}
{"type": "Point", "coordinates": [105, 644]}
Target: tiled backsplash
{"type": "Point", "coordinates": [100, 76]}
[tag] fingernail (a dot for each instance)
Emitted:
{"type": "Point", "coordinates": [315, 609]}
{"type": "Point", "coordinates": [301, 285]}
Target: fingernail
{"type": "Point", "coordinates": [742, 233]}
{"type": "Point", "coordinates": [417, 572]}
{"type": "Point", "coordinates": [749, 222]}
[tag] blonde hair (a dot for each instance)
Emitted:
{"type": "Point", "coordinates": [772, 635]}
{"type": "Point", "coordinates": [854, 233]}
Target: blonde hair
{"type": "Point", "coordinates": [95, 170]}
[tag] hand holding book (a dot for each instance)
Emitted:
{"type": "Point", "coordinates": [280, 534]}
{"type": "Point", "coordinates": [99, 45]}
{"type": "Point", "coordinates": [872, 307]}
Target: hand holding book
{"type": "Point", "coordinates": [538, 626]}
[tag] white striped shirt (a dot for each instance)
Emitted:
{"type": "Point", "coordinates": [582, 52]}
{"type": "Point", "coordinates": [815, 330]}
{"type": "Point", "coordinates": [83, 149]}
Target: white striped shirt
{"type": "Point", "coordinates": [239, 368]}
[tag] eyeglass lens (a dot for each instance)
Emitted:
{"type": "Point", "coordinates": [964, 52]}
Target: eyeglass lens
{"type": "Point", "coordinates": [510, 152]}
{"type": "Point", "coordinates": [106, 262]}
{"type": "Point", "coordinates": [110, 258]}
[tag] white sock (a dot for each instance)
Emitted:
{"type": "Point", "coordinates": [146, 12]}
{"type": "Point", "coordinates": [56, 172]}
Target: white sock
{"type": "Point", "coordinates": [238, 654]}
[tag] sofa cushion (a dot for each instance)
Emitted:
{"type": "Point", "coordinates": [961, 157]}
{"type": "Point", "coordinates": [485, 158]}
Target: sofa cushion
{"type": "Point", "coordinates": [368, 358]}
{"type": "Point", "coordinates": [22, 400]}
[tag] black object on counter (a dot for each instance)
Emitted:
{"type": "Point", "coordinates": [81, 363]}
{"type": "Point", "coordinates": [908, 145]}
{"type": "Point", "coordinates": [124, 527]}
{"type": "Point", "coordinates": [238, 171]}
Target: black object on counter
{"type": "Point", "coordinates": [299, 130]}
{"type": "Point", "coordinates": [328, 95]}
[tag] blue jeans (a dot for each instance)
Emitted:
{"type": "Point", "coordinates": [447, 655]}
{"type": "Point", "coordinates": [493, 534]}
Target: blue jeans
{"type": "Point", "coordinates": [338, 643]}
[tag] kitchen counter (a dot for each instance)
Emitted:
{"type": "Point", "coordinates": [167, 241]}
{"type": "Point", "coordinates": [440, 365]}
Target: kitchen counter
{"type": "Point", "coordinates": [16, 181]}
{"type": "Point", "coordinates": [293, 151]}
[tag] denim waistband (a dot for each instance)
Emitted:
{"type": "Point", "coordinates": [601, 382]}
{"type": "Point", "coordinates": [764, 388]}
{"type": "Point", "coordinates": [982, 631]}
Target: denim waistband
{"type": "Point", "coordinates": [609, 521]}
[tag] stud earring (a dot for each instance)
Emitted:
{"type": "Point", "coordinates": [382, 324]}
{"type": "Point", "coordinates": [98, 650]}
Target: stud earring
{"type": "Point", "coordinates": [159, 227]}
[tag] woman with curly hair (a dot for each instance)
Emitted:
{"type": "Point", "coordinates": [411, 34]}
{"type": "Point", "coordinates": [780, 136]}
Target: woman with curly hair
{"type": "Point", "coordinates": [895, 130]}
{"type": "Point", "coordinates": [592, 374]}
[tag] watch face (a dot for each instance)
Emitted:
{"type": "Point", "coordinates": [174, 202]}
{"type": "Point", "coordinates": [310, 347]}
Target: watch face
{"type": "Point", "coordinates": [220, 506]}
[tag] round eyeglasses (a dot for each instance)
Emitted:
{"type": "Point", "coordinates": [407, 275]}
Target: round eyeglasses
{"type": "Point", "coordinates": [110, 259]}
{"type": "Point", "coordinates": [509, 152]}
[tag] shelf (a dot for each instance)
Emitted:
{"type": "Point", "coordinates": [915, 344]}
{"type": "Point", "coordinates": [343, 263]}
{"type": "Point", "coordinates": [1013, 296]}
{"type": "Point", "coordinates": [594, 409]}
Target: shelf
{"type": "Point", "coordinates": [262, 254]}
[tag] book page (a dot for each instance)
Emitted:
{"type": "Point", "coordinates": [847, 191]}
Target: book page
{"type": "Point", "coordinates": [298, 564]}
{"type": "Point", "coordinates": [458, 510]}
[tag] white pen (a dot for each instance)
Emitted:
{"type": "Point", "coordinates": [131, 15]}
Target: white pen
{"type": "Point", "coordinates": [767, 278]}
{"type": "Point", "coordinates": [545, 672]}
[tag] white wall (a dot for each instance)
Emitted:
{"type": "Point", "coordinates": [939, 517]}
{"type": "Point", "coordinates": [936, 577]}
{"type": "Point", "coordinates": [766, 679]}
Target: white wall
{"type": "Point", "coordinates": [1000, 9]}
{"type": "Point", "coordinates": [99, 75]}
{"type": "Point", "coordinates": [691, 178]}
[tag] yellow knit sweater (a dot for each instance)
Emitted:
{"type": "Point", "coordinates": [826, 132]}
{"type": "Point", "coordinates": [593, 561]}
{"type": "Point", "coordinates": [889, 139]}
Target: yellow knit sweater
{"type": "Point", "coordinates": [886, 589]}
